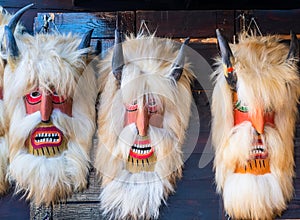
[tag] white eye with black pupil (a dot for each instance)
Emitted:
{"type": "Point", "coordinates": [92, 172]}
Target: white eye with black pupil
{"type": "Point", "coordinates": [35, 94]}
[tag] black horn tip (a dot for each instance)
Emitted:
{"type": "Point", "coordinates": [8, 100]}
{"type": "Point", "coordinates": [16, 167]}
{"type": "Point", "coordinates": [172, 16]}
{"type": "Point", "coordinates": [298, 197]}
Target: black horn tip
{"type": "Point", "coordinates": [86, 39]}
{"type": "Point", "coordinates": [187, 41]}
{"type": "Point", "coordinates": [294, 46]}
{"type": "Point", "coordinates": [226, 52]}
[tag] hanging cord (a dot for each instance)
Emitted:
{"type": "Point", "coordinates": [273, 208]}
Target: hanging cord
{"type": "Point", "coordinates": [143, 28]}
{"type": "Point", "coordinates": [244, 28]}
{"type": "Point", "coordinates": [255, 25]}
{"type": "Point", "coordinates": [48, 21]}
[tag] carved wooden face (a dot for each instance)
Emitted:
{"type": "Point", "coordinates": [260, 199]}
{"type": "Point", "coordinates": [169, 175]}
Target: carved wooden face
{"type": "Point", "coordinates": [258, 161]}
{"type": "Point", "coordinates": [46, 139]}
{"type": "Point", "coordinates": [143, 112]}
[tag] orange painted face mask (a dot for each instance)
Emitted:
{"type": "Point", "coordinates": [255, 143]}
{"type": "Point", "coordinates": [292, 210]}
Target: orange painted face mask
{"type": "Point", "coordinates": [142, 156]}
{"type": "Point", "coordinates": [258, 163]}
{"type": "Point", "coordinates": [46, 139]}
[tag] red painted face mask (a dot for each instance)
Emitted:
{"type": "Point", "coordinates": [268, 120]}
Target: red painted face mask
{"type": "Point", "coordinates": [258, 162]}
{"type": "Point", "coordinates": [141, 156]}
{"type": "Point", "coordinates": [46, 139]}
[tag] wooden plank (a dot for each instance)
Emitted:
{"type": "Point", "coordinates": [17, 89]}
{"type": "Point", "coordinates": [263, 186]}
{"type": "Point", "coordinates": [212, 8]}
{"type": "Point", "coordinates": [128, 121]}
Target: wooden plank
{"type": "Point", "coordinates": [103, 23]}
{"type": "Point", "coordinates": [225, 22]}
{"type": "Point", "coordinates": [175, 24]}
{"type": "Point", "coordinates": [79, 211]}
{"type": "Point", "coordinates": [55, 4]}
{"type": "Point", "coordinates": [275, 21]}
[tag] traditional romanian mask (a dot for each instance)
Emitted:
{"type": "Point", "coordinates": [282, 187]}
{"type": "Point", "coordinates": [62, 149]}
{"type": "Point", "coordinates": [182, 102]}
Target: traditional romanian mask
{"type": "Point", "coordinates": [17, 29]}
{"type": "Point", "coordinates": [50, 101]}
{"type": "Point", "coordinates": [254, 108]}
{"type": "Point", "coordinates": [143, 114]}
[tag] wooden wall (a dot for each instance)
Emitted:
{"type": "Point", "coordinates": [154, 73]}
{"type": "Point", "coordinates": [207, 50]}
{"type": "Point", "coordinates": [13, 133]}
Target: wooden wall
{"type": "Point", "coordinates": [195, 197]}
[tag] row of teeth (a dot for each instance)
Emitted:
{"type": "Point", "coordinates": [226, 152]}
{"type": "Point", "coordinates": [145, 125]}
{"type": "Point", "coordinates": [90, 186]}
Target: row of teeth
{"type": "Point", "coordinates": [141, 151]}
{"type": "Point", "coordinates": [258, 149]}
{"type": "Point", "coordinates": [44, 135]}
{"type": "Point", "coordinates": [142, 146]}
{"type": "Point", "coordinates": [55, 139]}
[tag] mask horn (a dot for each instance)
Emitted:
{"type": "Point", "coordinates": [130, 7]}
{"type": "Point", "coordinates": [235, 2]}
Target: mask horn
{"type": "Point", "coordinates": [86, 39]}
{"type": "Point", "coordinates": [227, 56]}
{"type": "Point", "coordinates": [16, 17]}
{"type": "Point", "coordinates": [294, 47]}
{"type": "Point", "coordinates": [12, 49]}
{"type": "Point", "coordinates": [118, 57]}
{"type": "Point", "coordinates": [177, 68]}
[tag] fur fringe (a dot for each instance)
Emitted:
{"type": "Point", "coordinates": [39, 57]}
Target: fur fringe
{"type": "Point", "coordinates": [148, 62]}
{"type": "Point", "coordinates": [267, 80]}
{"type": "Point", "coordinates": [48, 61]}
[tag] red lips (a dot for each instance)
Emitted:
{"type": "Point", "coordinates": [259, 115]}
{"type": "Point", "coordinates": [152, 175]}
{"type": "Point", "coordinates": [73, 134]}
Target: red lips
{"type": "Point", "coordinates": [46, 137]}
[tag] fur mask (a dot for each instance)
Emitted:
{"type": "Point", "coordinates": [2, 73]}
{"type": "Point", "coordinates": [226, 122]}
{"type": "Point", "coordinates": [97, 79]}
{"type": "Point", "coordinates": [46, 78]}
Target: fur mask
{"type": "Point", "coordinates": [50, 102]}
{"type": "Point", "coordinates": [143, 115]}
{"type": "Point", "coordinates": [17, 29]}
{"type": "Point", "coordinates": [254, 109]}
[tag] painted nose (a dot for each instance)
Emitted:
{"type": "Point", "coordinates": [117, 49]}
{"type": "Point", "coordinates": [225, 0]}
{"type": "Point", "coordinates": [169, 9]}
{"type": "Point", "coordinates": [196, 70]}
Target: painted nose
{"type": "Point", "coordinates": [258, 121]}
{"type": "Point", "coordinates": [46, 107]}
{"type": "Point", "coordinates": [142, 121]}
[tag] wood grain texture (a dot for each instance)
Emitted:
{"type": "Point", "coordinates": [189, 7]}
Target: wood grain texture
{"type": "Point", "coordinates": [176, 24]}
{"type": "Point", "coordinates": [273, 21]}
{"type": "Point", "coordinates": [103, 23]}
{"type": "Point", "coordinates": [195, 196]}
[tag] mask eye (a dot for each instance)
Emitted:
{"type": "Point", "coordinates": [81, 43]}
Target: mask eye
{"type": "Point", "coordinates": [33, 97]}
{"type": "Point", "coordinates": [57, 99]}
{"type": "Point", "coordinates": [35, 94]}
{"type": "Point", "coordinates": [132, 107]}
{"type": "Point", "coordinates": [239, 106]}
{"type": "Point", "coordinates": [152, 106]}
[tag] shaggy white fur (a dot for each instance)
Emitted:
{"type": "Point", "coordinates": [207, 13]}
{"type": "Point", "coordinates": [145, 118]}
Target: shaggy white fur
{"type": "Point", "coordinates": [148, 62]}
{"type": "Point", "coordinates": [48, 61]}
{"type": "Point", "coordinates": [266, 80]}
{"type": "Point", "coordinates": [4, 20]}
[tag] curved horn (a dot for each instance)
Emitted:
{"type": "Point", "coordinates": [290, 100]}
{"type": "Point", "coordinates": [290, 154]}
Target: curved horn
{"type": "Point", "coordinates": [294, 47]}
{"type": "Point", "coordinates": [178, 65]}
{"type": "Point", "coordinates": [16, 17]}
{"type": "Point", "coordinates": [118, 57]}
{"type": "Point", "coordinates": [86, 40]}
{"type": "Point", "coordinates": [227, 56]}
{"type": "Point", "coordinates": [11, 45]}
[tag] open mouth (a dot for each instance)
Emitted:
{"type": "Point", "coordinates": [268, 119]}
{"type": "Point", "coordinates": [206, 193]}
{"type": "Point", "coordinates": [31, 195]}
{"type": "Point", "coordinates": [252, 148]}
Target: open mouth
{"type": "Point", "coordinates": [141, 156]}
{"type": "Point", "coordinates": [46, 137]}
{"type": "Point", "coordinates": [46, 140]}
{"type": "Point", "coordinates": [141, 149]}
{"type": "Point", "coordinates": [258, 152]}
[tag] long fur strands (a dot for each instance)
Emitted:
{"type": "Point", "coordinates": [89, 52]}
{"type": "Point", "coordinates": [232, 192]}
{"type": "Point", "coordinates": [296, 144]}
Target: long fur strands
{"type": "Point", "coordinates": [48, 61]}
{"type": "Point", "coordinates": [4, 19]}
{"type": "Point", "coordinates": [267, 80]}
{"type": "Point", "coordinates": [148, 62]}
